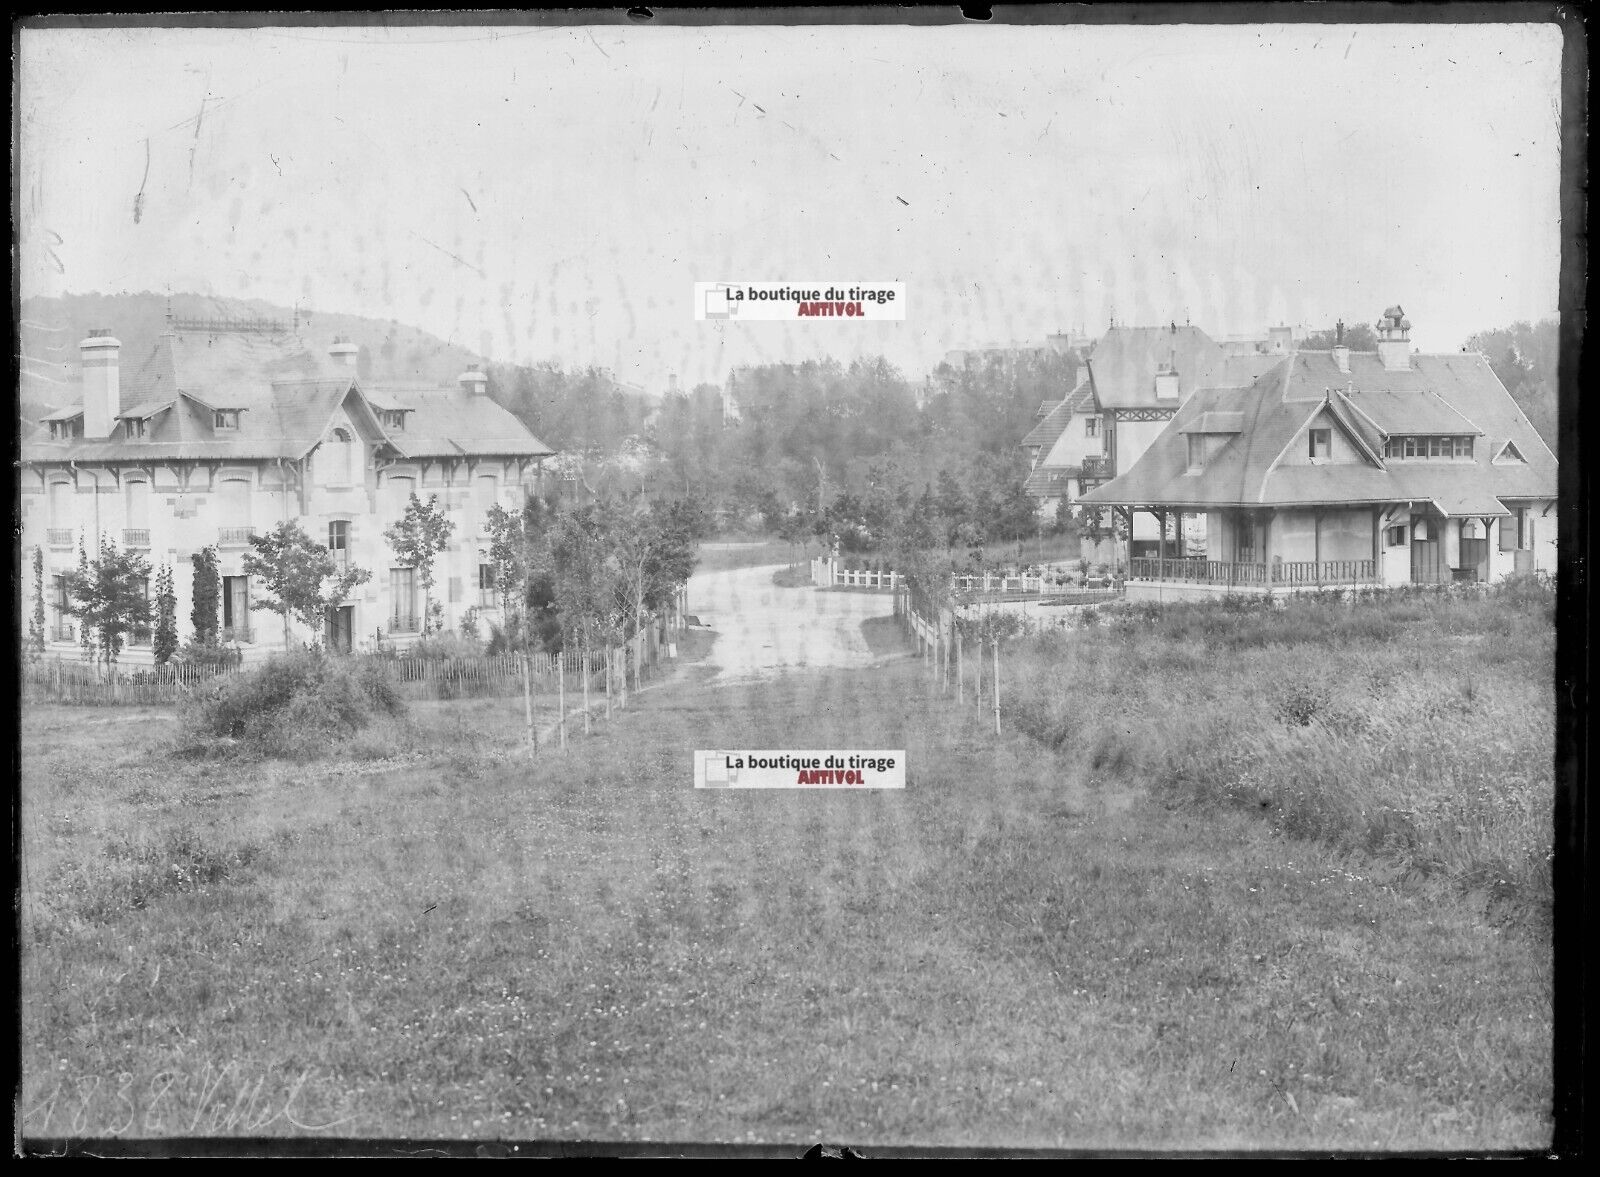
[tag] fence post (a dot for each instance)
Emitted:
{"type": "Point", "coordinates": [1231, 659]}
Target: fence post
{"type": "Point", "coordinates": [997, 686]}
{"type": "Point", "coordinates": [561, 698]}
{"type": "Point", "coordinates": [961, 682]}
{"type": "Point", "coordinates": [586, 690]}
{"type": "Point", "coordinates": [527, 704]}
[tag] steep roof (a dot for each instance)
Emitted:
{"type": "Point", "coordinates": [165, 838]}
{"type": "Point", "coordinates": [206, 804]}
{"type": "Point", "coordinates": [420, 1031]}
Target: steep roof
{"type": "Point", "coordinates": [1055, 416]}
{"type": "Point", "coordinates": [1045, 481]}
{"type": "Point", "coordinates": [1459, 390]}
{"type": "Point", "coordinates": [287, 399]}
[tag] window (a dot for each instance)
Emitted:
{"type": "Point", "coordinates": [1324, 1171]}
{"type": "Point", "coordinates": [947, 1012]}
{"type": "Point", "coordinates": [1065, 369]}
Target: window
{"type": "Point", "coordinates": [1321, 440]}
{"type": "Point", "coordinates": [401, 487]}
{"type": "Point", "coordinates": [1397, 536]}
{"type": "Point", "coordinates": [1197, 452]}
{"type": "Point", "coordinates": [236, 608]}
{"type": "Point", "coordinates": [1435, 448]}
{"type": "Point", "coordinates": [393, 419]}
{"type": "Point", "coordinates": [339, 542]}
{"type": "Point", "coordinates": [66, 430]}
{"type": "Point", "coordinates": [403, 600]}
{"type": "Point", "coordinates": [1508, 453]}
{"type": "Point", "coordinates": [343, 458]}
{"type": "Point", "coordinates": [486, 593]}
{"type": "Point", "coordinates": [61, 504]}
{"type": "Point", "coordinates": [1516, 532]}
{"type": "Point", "coordinates": [139, 635]}
{"type": "Point", "coordinates": [60, 601]}
{"type": "Point", "coordinates": [138, 502]}
{"type": "Point", "coordinates": [1091, 426]}
{"type": "Point", "coordinates": [225, 418]}
{"type": "Point", "coordinates": [136, 427]}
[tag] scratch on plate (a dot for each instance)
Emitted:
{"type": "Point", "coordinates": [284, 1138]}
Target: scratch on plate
{"type": "Point", "coordinates": [903, 201]}
{"type": "Point", "coordinates": [138, 200]}
{"type": "Point", "coordinates": [448, 254]}
{"type": "Point", "coordinates": [597, 45]}
{"type": "Point", "coordinates": [470, 201]}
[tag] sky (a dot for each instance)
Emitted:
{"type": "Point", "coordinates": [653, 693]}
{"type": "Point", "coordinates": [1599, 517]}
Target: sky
{"type": "Point", "coordinates": [554, 193]}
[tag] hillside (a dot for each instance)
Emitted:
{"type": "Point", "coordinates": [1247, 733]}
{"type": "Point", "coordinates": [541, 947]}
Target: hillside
{"type": "Point", "coordinates": [50, 329]}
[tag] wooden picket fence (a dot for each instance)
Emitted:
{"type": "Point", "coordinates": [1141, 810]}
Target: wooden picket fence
{"type": "Point", "coordinates": [85, 684]}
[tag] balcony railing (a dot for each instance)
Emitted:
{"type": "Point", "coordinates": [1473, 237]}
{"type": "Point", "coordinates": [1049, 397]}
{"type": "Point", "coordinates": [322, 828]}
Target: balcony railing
{"type": "Point", "coordinates": [234, 536]}
{"type": "Point", "coordinates": [1094, 464]}
{"type": "Point", "coordinates": [1290, 573]}
{"type": "Point", "coordinates": [136, 537]}
{"type": "Point", "coordinates": [241, 634]}
{"type": "Point", "coordinates": [404, 622]}
{"type": "Point", "coordinates": [488, 598]}
{"type": "Point", "coordinates": [62, 633]}
{"type": "Point", "coordinates": [60, 537]}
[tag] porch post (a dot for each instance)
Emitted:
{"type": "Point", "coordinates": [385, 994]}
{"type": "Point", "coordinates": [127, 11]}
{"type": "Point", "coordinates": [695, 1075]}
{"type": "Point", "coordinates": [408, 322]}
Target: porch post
{"type": "Point", "coordinates": [1266, 545]}
{"type": "Point", "coordinates": [1316, 543]}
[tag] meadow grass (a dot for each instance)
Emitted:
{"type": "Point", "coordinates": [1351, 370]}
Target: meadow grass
{"type": "Point", "coordinates": [1419, 729]}
{"type": "Point", "coordinates": [1020, 948]}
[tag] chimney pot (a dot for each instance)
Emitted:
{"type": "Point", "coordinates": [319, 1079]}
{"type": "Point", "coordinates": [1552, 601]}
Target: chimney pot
{"type": "Point", "coordinates": [102, 383]}
{"type": "Point", "coordinates": [343, 352]}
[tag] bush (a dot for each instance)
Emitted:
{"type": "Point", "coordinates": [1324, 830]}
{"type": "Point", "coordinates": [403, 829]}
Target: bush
{"type": "Point", "coordinates": [210, 655]}
{"type": "Point", "coordinates": [296, 705]}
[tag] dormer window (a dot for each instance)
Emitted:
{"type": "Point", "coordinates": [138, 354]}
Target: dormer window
{"type": "Point", "coordinates": [1321, 441]}
{"type": "Point", "coordinates": [1509, 453]}
{"type": "Point", "coordinates": [1197, 452]}
{"type": "Point", "coordinates": [1449, 448]}
{"type": "Point", "coordinates": [137, 427]}
{"type": "Point", "coordinates": [393, 419]}
{"type": "Point", "coordinates": [225, 418]}
{"type": "Point", "coordinates": [66, 430]}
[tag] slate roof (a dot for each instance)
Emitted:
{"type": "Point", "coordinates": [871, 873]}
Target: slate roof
{"type": "Point", "coordinates": [1437, 390]}
{"type": "Point", "coordinates": [1055, 416]}
{"type": "Point", "coordinates": [287, 398]}
{"type": "Point", "coordinates": [1047, 481]}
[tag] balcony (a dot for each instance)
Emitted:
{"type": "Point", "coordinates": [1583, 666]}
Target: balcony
{"type": "Point", "coordinates": [60, 537]}
{"type": "Point", "coordinates": [62, 633]}
{"type": "Point", "coordinates": [404, 623]}
{"type": "Point", "coordinates": [1279, 574]}
{"type": "Point", "coordinates": [136, 537]}
{"type": "Point", "coordinates": [488, 598]}
{"type": "Point", "coordinates": [238, 634]}
{"type": "Point", "coordinates": [1095, 466]}
{"type": "Point", "coordinates": [234, 537]}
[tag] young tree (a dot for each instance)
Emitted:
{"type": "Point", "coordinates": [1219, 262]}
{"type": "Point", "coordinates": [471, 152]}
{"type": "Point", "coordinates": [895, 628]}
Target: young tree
{"type": "Point", "coordinates": [85, 629]}
{"type": "Point", "coordinates": [301, 577]}
{"type": "Point", "coordinates": [35, 644]}
{"type": "Point", "coordinates": [107, 595]}
{"type": "Point", "coordinates": [207, 596]}
{"type": "Point", "coordinates": [165, 642]}
{"type": "Point", "coordinates": [419, 536]}
{"type": "Point", "coordinates": [508, 558]}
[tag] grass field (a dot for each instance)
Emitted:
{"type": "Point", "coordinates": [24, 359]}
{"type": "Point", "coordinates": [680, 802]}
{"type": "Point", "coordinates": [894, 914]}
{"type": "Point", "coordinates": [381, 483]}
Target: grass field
{"type": "Point", "coordinates": [1020, 948]}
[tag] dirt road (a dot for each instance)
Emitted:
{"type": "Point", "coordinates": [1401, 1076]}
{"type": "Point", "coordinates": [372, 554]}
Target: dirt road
{"type": "Point", "coordinates": [764, 630]}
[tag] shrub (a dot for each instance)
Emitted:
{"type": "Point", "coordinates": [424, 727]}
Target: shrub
{"type": "Point", "coordinates": [296, 705]}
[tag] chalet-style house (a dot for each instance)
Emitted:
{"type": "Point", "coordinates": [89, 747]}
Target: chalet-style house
{"type": "Point", "coordinates": [1341, 468]}
{"type": "Point", "coordinates": [214, 434]}
{"type": "Point", "coordinates": [1134, 380]}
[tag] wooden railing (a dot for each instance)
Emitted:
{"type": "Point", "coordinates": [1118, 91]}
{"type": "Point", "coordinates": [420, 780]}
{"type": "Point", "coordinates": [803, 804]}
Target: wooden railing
{"type": "Point", "coordinates": [1292, 573]}
{"type": "Point", "coordinates": [234, 536]}
{"type": "Point", "coordinates": [136, 537]}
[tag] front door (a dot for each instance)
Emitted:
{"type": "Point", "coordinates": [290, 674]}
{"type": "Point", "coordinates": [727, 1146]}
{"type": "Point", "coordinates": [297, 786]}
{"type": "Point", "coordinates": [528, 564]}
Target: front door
{"type": "Point", "coordinates": [1474, 556]}
{"type": "Point", "coordinates": [1427, 555]}
{"type": "Point", "coordinates": [341, 629]}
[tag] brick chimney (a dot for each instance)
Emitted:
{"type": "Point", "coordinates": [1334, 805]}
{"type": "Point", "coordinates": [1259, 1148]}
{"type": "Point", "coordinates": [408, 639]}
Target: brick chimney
{"type": "Point", "coordinates": [1394, 340]}
{"type": "Point", "coordinates": [343, 352]}
{"type": "Point", "coordinates": [102, 383]}
{"type": "Point", "coordinates": [1341, 353]}
{"type": "Point", "coordinates": [474, 381]}
{"type": "Point", "coordinates": [1280, 340]}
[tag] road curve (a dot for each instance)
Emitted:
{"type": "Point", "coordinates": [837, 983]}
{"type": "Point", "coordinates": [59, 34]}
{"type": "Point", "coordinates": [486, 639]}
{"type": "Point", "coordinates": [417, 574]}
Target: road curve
{"type": "Point", "coordinates": [763, 630]}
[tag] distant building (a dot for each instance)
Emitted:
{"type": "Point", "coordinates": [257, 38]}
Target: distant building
{"type": "Point", "coordinates": [212, 435]}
